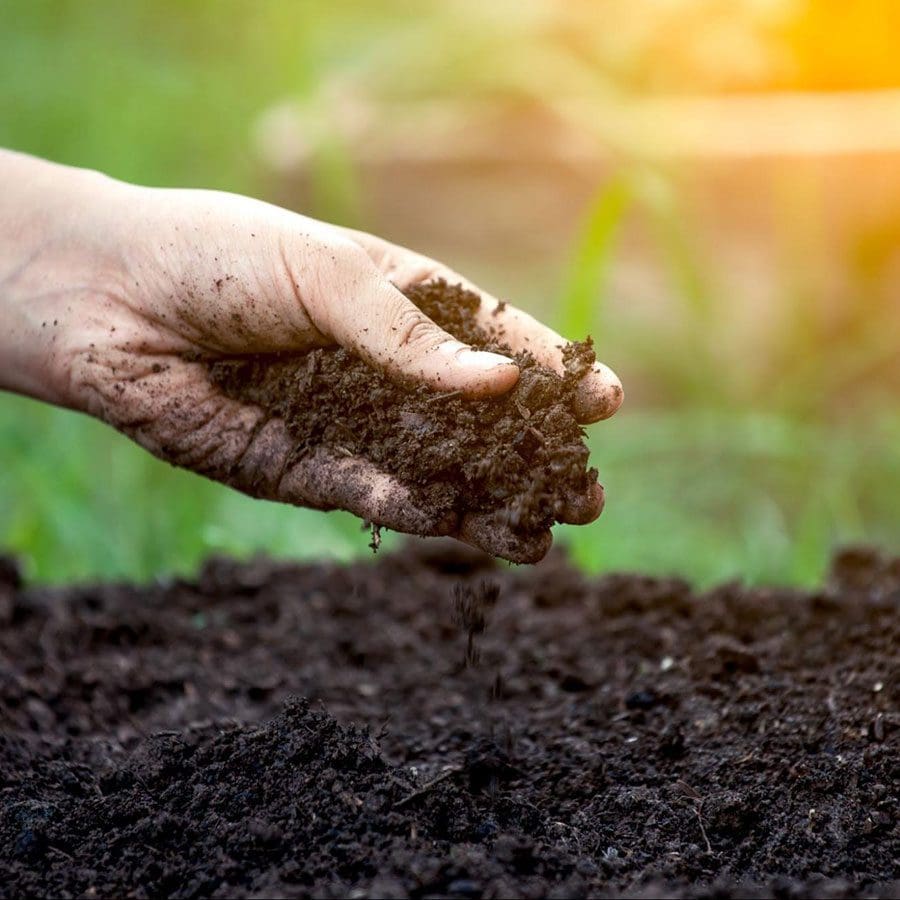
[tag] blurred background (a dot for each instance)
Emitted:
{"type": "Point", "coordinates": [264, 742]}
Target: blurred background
{"type": "Point", "coordinates": [711, 188]}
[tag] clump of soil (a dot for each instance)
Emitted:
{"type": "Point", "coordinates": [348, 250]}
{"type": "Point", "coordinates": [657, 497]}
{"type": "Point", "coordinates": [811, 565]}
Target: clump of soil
{"type": "Point", "coordinates": [523, 453]}
{"type": "Point", "coordinates": [646, 739]}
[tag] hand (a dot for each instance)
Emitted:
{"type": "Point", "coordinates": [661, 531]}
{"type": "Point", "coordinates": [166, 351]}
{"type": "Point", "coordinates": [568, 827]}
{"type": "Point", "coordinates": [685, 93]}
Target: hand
{"type": "Point", "coordinates": [126, 284]}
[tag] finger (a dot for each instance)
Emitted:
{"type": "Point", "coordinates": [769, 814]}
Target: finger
{"type": "Point", "coordinates": [393, 334]}
{"type": "Point", "coordinates": [325, 480]}
{"type": "Point", "coordinates": [491, 533]}
{"type": "Point", "coordinates": [584, 508]}
{"type": "Point", "coordinates": [599, 392]}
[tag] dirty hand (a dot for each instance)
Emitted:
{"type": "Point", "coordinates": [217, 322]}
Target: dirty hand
{"type": "Point", "coordinates": [113, 299]}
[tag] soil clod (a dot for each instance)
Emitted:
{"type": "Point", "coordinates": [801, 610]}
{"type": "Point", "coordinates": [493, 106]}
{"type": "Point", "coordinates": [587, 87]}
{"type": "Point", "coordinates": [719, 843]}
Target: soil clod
{"type": "Point", "coordinates": [521, 455]}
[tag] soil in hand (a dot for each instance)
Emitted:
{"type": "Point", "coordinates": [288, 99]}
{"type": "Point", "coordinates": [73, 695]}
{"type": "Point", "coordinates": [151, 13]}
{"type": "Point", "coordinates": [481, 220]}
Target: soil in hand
{"type": "Point", "coordinates": [621, 736]}
{"type": "Point", "coordinates": [521, 455]}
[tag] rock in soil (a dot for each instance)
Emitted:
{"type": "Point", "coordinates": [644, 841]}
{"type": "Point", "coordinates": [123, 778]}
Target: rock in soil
{"type": "Point", "coordinates": [531, 456]}
{"type": "Point", "coordinates": [271, 729]}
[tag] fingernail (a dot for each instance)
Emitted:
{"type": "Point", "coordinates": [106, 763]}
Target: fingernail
{"type": "Point", "coordinates": [481, 360]}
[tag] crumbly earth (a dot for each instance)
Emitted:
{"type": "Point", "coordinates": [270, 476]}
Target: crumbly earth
{"type": "Point", "coordinates": [531, 452]}
{"type": "Point", "coordinates": [621, 736]}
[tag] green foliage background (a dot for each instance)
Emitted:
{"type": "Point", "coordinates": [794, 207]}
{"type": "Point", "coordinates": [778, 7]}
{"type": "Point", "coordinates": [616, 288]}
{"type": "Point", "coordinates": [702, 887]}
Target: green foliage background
{"type": "Point", "coordinates": [727, 478]}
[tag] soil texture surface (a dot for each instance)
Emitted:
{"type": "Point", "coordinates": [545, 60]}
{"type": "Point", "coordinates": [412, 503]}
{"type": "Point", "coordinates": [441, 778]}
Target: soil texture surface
{"type": "Point", "coordinates": [531, 456]}
{"type": "Point", "coordinates": [436, 725]}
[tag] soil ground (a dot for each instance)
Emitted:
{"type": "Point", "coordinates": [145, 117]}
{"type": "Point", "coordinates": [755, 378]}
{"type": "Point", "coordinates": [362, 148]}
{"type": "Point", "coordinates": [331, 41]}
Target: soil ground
{"type": "Point", "coordinates": [465, 730]}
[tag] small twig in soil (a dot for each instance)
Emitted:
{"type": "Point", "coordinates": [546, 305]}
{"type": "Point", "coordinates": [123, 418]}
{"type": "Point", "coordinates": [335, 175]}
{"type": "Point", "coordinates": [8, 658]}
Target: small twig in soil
{"type": "Point", "coordinates": [687, 790]}
{"type": "Point", "coordinates": [447, 773]}
{"type": "Point", "coordinates": [697, 801]}
{"type": "Point", "coordinates": [446, 396]}
{"type": "Point", "coordinates": [702, 827]}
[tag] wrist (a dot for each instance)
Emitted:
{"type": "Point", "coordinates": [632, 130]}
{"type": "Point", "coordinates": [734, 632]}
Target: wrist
{"type": "Point", "coordinates": [58, 257]}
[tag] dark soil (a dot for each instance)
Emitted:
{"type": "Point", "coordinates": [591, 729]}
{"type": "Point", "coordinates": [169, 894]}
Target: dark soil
{"type": "Point", "coordinates": [623, 735]}
{"type": "Point", "coordinates": [531, 453]}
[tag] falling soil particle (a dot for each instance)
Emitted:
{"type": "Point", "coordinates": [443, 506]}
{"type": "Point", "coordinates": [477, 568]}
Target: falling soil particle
{"type": "Point", "coordinates": [523, 453]}
{"type": "Point", "coordinates": [648, 740]}
{"type": "Point", "coordinates": [471, 608]}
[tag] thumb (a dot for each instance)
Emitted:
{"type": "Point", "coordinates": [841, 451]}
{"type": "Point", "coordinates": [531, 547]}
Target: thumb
{"type": "Point", "coordinates": [392, 333]}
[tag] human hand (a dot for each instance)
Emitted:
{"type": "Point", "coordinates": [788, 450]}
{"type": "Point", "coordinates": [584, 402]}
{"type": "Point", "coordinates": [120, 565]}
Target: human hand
{"type": "Point", "coordinates": [136, 290]}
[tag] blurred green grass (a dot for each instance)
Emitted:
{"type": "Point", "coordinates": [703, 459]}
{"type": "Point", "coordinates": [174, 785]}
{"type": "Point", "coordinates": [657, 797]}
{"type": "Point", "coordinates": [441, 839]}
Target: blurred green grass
{"type": "Point", "coordinates": [722, 476]}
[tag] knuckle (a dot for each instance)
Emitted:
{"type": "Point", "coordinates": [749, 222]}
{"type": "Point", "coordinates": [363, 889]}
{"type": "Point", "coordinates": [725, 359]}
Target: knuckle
{"type": "Point", "coordinates": [414, 331]}
{"type": "Point", "coordinates": [339, 275]}
{"type": "Point", "coordinates": [349, 254]}
{"type": "Point", "coordinates": [421, 269]}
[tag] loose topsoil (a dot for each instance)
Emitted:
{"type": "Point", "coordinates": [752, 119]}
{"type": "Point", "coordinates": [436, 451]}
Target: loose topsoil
{"type": "Point", "coordinates": [436, 725]}
{"type": "Point", "coordinates": [531, 453]}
